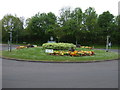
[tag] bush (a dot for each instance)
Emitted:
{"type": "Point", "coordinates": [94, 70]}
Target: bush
{"type": "Point", "coordinates": [58, 46]}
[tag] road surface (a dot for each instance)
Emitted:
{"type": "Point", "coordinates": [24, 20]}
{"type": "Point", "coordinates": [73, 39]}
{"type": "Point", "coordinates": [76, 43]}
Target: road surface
{"type": "Point", "coordinates": [19, 74]}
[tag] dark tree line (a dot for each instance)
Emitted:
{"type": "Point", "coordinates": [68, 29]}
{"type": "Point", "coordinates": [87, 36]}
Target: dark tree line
{"type": "Point", "coordinates": [74, 26]}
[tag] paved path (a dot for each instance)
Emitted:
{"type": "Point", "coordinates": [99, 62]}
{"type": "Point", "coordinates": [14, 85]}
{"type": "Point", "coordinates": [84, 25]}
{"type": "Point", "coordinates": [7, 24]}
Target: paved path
{"type": "Point", "coordinates": [18, 74]}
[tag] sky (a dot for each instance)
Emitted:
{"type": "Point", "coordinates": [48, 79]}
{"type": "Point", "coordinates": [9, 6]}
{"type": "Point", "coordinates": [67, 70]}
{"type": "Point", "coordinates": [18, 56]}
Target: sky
{"type": "Point", "coordinates": [28, 8]}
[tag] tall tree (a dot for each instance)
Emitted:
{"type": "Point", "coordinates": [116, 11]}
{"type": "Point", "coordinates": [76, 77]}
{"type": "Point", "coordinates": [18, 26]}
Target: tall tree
{"type": "Point", "coordinates": [51, 23]}
{"type": "Point", "coordinates": [76, 15]}
{"type": "Point", "coordinates": [65, 14]}
{"type": "Point", "coordinates": [13, 24]}
{"type": "Point", "coordinates": [58, 32]}
{"type": "Point", "coordinates": [66, 23]}
{"type": "Point", "coordinates": [115, 30]}
{"type": "Point", "coordinates": [90, 23]}
{"type": "Point", "coordinates": [105, 20]}
{"type": "Point", "coordinates": [41, 26]}
{"type": "Point", "coordinates": [90, 18]}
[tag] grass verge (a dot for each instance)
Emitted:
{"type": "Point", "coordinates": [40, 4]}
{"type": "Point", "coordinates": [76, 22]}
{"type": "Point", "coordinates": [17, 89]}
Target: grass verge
{"type": "Point", "coordinates": [38, 54]}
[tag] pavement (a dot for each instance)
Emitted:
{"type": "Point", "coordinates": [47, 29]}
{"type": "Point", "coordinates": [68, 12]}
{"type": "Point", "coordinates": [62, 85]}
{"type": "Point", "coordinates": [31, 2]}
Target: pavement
{"type": "Point", "coordinates": [19, 74]}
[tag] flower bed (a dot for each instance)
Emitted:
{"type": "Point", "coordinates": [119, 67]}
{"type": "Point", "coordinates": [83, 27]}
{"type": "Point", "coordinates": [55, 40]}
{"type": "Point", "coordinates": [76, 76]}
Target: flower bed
{"type": "Point", "coordinates": [27, 46]}
{"type": "Point", "coordinates": [21, 47]}
{"type": "Point", "coordinates": [75, 53]}
{"type": "Point", "coordinates": [86, 47]}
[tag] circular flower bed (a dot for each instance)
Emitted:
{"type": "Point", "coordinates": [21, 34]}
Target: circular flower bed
{"type": "Point", "coordinates": [75, 53]}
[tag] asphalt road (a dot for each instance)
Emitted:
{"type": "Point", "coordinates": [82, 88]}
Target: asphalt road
{"type": "Point", "coordinates": [19, 74]}
{"type": "Point", "coordinates": [5, 46]}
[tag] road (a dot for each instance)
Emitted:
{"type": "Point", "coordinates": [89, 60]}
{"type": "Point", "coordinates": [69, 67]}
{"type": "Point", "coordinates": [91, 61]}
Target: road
{"type": "Point", "coordinates": [19, 74]}
{"type": "Point", "coordinates": [5, 46]}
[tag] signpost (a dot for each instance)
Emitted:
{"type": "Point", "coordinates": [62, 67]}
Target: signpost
{"type": "Point", "coordinates": [10, 39]}
{"type": "Point", "coordinates": [49, 50]}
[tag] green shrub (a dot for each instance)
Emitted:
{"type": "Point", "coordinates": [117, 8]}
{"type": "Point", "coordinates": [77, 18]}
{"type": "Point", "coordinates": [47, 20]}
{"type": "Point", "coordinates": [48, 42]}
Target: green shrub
{"type": "Point", "coordinates": [58, 46]}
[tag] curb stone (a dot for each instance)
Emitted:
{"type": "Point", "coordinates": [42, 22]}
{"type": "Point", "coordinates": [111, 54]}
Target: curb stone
{"type": "Point", "coordinates": [94, 61]}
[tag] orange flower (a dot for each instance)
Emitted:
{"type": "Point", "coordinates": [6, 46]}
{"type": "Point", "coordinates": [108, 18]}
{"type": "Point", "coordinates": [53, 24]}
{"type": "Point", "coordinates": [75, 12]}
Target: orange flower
{"type": "Point", "coordinates": [75, 52]}
{"type": "Point", "coordinates": [72, 53]}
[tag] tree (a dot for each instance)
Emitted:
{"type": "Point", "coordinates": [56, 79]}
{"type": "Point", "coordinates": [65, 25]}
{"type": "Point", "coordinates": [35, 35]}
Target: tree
{"type": "Point", "coordinates": [104, 21]}
{"type": "Point", "coordinates": [115, 30]}
{"type": "Point", "coordinates": [36, 27]}
{"type": "Point", "coordinates": [70, 23]}
{"type": "Point", "coordinates": [16, 27]}
{"type": "Point", "coordinates": [41, 26]}
{"type": "Point", "coordinates": [65, 14]}
{"type": "Point", "coordinates": [51, 23]}
{"type": "Point", "coordinates": [90, 18]}
{"type": "Point", "coordinates": [65, 22]}
{"type": "Point", "coordinates": [59, 33]}
{"type": "Point", "coordinates": [90, 23]}
{"type": "Point", "coordinates": [76, 15]}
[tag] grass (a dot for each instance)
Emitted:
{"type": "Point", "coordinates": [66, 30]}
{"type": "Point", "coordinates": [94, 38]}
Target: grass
{"type": "Point", "coordinates": [38, 54]}
{"type": "Point", "coordinates": [104, 46]}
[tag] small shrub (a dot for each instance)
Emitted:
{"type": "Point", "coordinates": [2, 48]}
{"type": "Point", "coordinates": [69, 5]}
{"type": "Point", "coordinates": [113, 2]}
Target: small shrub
{"type": "Point", "coordinates": [58, 46]}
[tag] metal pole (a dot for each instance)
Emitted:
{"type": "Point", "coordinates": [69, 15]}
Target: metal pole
{"type": "Point", "coordinates": [107, 44]}
{"type": "Point", "coordinates": [17, 37]}
{"type": "Point", "coordinates": [10, 41]}
{"type": "Point", "coordinates": [8, 45]}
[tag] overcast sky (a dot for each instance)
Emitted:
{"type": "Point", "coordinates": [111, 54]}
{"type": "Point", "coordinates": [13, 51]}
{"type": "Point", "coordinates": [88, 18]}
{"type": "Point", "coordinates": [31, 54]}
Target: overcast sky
{"type": "Point", "coordinates": [28, 8]}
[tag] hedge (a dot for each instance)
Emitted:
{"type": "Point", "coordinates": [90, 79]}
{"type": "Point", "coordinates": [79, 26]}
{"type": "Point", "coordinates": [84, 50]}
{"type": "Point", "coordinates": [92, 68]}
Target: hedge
{"type": "Point", "coordinates": [58, 46]}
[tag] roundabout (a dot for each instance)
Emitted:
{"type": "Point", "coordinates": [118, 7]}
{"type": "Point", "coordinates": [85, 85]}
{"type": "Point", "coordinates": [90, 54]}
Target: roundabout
{"type": "Point", "coordinates": [37, 54]}
{"type": "Point", "coordinates": [18, 74]}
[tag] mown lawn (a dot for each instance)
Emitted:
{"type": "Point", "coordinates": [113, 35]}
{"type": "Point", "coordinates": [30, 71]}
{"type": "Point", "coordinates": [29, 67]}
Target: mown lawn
{"type": "Point", "coordinates": [38, 54]}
